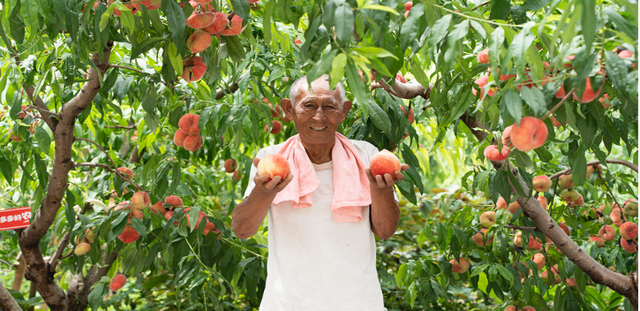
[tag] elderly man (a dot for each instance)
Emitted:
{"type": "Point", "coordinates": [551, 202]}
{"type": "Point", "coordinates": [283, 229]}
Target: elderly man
{"type": "Point", "coordinates": [323, 215]}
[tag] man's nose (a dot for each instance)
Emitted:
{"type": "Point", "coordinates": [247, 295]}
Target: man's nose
{"type": "Point", "coordinates": [319, 114]}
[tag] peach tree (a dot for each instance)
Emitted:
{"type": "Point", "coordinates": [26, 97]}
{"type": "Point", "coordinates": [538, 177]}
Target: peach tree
{"type": "Point", "coordinates": [129, 128]}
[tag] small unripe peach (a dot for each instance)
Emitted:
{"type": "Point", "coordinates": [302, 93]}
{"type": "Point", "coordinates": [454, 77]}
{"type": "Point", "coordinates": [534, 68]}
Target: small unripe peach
{"type": "Point", "coordinates": [569, 195]}
{"type": "Point", "coordinates": [459, 266]}
{"type": "Point", "coordinates": [541, 183]}
{"type": "Point", "coordinates": [117, 282]}
{"type": "Point", "coordinates": [129, 235]}
{"type": "Point", "coordinates": [384, 162]}
{"type": "Point", "coordinates": [199, 20]}
{"type": "Point", "coordinates": [566, 181]}
{"type": "Point", "coordinates": [492, 154]}
{"type": "Point", "coordinates": [230, 165]}
{"type": "Point", "coordinates": [630, 248]}
{"type": "Point", "coordinates": [198, 41]}
{"type": "Point", "coordinates": [274, 165]}
{"type": "Point", "coordinates": [126, 171]}
{"type": "Point", "coordinates": [607, 233]}
{"type": "Point", "coordinates": [629, 231]}
{"type": "Point", "coordinates": [82, 249]}
{"type": "Point", "coordinates": [234, 27]}
{"type": "Point", "coordinates": [173, 200]}
{"type": "Point", "coordinates": [530, 134]}
{"type": "Point", "coordinates": [90, 235]}
{"type": "Point", "coordinates": [483, 56]}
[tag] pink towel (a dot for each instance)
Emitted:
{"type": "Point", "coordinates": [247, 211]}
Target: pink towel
{"type": "Point", "coordinates": [351, 191]}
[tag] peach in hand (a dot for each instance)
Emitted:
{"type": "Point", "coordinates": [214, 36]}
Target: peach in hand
{"type": "Point", "coordinates": [384, 162]}
{"type": "Point", "coordinates": [274, 165]}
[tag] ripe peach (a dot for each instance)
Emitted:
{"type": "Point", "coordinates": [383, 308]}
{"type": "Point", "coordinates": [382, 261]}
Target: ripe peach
{"type": "Point", "coordinates": [140, 200]}
{"type": "Point", "coordinates": [236, 176]}
{"type": "Point", "coordinates": [82, 249]}
{"type": "Point", "coordinates": [401, 79]}
{"type": "Point", "coordinates": [555, 121]}
{"type": "Point", "coordinates": [569, 195]}
{"type": "Point", "coordinates": [479, 238]}
{"type": "Point", "coordinates": [230, 165]}
{"type": "Point", "coordinates": [173, 200]}
{"type": "Point", "coordinates": [210, 227]}
{"type": "Point", "coordinates": [126, 171]}
{"type": "Point", "coordinates": [129, 235]}
{"type": "Point", "coordinates": [530, 134]}
{"type": "Point", "coordinates": [297, 42]}
{"type": "Point", "coordinates": [201, 215]}
{"type": "Point", "coordinates": [151, 4]}
{"type": "Point", "coordinates": [274, 165]}
{"type": "Point", "coordinates": [407, 8]}
{"type": "Point", "coordinates": [134, 7]}
{"type": "Point", "coordinates": [483, 56]}
{"type": "Point", "coordinates": [571, 282]}
{"type": "Point", "coordinates": [117, 282]}
{"type": "Point", "coordinates": [607, 233]}
{"type": "Point", "coordinates": [384, 162]}
{"type": "Point", "coordinates": [547, 277]}
{"type": "Point", "coordinates": [629, 247]}
{"type": "Point", "coordinates": [543, 202]}
{"type": "Point", "coordinates": [579, 201]}
{"type": "Point", "coordinates": [501, 204]}
{"type": "Point", "coordinates": [200, 20]}
{"type": "Point", "coordinates": [134, 212]}
{"type": "Point", "coordinates": [178, 138]}
{"type": "Point", "coordinates": [630, 208]}
{"type": "Point", "coordinates": [589, 95]}
{"type": "Point", "coordinates": [599, 241]}
{"type": "Point", "coordinates": [234, 27]}
{"type": "Point", "coordinates": [193, 142]}
{"type": "Point", "coordinates": [510, 308]}
{"type": "Point", "coordinates": [564, 228]}
{"type": "Point", "coordinates": [566, 181]}
{"type": "Point", "coordinates": [616, 216]}
{"type": "Point", "coordinates": [527, 308]}
{"type": "Point", "coordinates": [517, 239]}
{"type": "Point", "coordinates": [219, 24]}
{"type": "Point", "coordinates": [561, 93]}
{"type": "Point", "coordinates": [625, 53]}
{"type": "Point", "coordinates": [198, 41]}
{"type": "Point", "coordinates": [541, 183]}
{"type": "Point", "coordinates": [488, 219]}
{"type": "Point", "coordinates": [276, 129]}
{"type": "Point", "coordinates": [194, 68]}
{"type": "Point", "coordinates": [90, 235]}
{"type": "Point", "coordinates": [410, 116]}
{"type": "Point", "coordinates": [158, 208]}
{"type": "Point", "coordinates": [539, 259]}
{"type": "Point", "coordinates": [189, 123]}
{"type": "Point", "coordinates": [459, 266]}
{"type": "Point", "coordinates": [629, 231]}
{"type": "Point", "coordinates": [492, 154]}
{"type": "Point", "coordinates": [534, 245]}
{"type": "Point", "coordinates": [513, 207]}
{"type": "Point", "coordinates": [168, 216]}
{"type": "Point", "coordinates": [605, 101]}
{"type": "Point", "coordinates": [481, 82]}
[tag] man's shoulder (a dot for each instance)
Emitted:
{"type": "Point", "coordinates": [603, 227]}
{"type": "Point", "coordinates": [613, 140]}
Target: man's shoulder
{"type": "Point", "coordinates": [364, 147]}
{"type": "Point", "coordinates": [270, 149]}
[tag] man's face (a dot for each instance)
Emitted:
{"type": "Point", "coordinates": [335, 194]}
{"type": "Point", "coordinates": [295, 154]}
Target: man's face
{"type": "Point", "coordinates": [316, 114]}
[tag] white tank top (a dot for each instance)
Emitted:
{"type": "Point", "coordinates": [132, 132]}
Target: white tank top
{"type": "Point", "coordinates": [314, 263]}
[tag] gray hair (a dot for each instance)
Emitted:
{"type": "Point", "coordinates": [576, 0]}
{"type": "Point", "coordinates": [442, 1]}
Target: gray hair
{"type": "Point", "coordinates": [301, 84]}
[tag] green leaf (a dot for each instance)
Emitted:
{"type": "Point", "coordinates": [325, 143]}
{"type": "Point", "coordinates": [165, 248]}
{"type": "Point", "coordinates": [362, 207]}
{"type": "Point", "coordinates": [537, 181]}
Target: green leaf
{"type": "Point", "coordinates": [373, 52]}
{"type": "Point", "coordinates": [495, 47]}
{"type": "Point", "coordinates": [337, 69]}
{"type": "Point", "coordinates": [418, 72]}
{"type": "Point", "coordinates": [411, 27]}
{"type": "Point", "coordinates": [500, 9]}
{"type": "Point", "coordinates": [322, 66]}
{"type": "Point", "coordinates": [139, 226]}
{"type": "Point", "coordinates": [176, 21]}
{"type": "Point", "coordinates": [621, 23]}
{"type": "Point", "coordinates": [504, 272]}
{"type": "Point", "coordinates": [193, 217]}
{"type": "Point", "coordinates": [144, 46]}
{"type": "Point", "coordinates": [439, 30]}
{"type": "Point", "coordinates": [378, 116]}
{"type": "Point", "coordinates": [234, 47]}
{"type": "Point", "coordinates": [588, 22]}
{"type": "Point", "coordinates": [175, 58]}
{"type": "Point", "coordinates": [29, 11]}
{"type": "Point", "coordinates": [400, 275]}
{"type": "Point", "coordinates": [379, 8]}
{"type": "Point", "coordinates": [241, 8]}
{"type": "Point", "coordinates": [534, 98]}
{"type": "Point", "coordinates": [344, 23]}
{"type": "Point", "coordinates": [511, 100]}
{"type": "Point", "coordinates": [520, 45]}
{"type": "Point", "coordinates": [459, 31]}
{"type": "Point", "coordinates": [44, 141]}
{"type": "Point", "coordinates": [616, 70]}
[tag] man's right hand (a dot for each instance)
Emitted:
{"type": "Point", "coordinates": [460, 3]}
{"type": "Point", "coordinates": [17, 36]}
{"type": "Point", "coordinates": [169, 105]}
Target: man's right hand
{"type": "Point", "coordinates": [268, 185]}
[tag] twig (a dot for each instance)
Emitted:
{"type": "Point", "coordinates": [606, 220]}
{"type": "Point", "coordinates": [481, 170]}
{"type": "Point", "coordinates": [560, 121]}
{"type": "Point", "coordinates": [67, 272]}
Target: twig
{"type": "Point", "coordinates": [614, 198]}
{"type": "Point", "coordinates": [591, 163]}
{"type": "Point", "coordinates": [479, 5]}
{"type": "Point", "coordinates": [67, 255]}
{"type": "Point", "coordinates": [43, 111]}
{"type": "Point", "coordinates": [128, 127]}
{"type": "Point", "coordinates": [107, 167]}
{"type": "Point", "coordinates": [54, 260]}
{"type": "Point", "coordinates": [39, 104]}
{"type": "Point", "coordinates": [564, 99]}
{"type": "Point", "coordinates": [553, 197]}
{"type": "Point", "coordinates": [522, 228]}
{"type": "Point", "coordinates": [230, 89]}
{"type": "Point", "coordinates": [128, 68]}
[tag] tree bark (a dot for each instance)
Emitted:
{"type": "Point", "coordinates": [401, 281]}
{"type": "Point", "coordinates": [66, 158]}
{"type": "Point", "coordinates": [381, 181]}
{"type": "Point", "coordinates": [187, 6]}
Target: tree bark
{"type": "Point", "coordinates": [7, 303]}
{"type": "Point", "coordinates": [37, 269]}
{"type": "Point", "coordinates": [19, 276]}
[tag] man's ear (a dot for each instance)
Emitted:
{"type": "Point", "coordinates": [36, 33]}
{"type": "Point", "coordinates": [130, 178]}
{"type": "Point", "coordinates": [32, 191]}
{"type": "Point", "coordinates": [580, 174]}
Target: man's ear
{"type": "Point", "coordinates": [287, 107]}
{"type": "Point", "coordinates": [346, 106]}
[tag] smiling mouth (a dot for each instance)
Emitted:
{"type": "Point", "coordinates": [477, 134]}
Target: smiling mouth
{"type": "Point", "coordinates": [318, 128]}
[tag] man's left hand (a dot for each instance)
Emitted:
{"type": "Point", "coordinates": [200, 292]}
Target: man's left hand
{"type": "Point", "coordinates": [388, 180]}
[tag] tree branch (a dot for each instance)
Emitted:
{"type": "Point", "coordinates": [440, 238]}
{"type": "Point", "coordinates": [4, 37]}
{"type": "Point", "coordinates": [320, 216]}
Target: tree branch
{"type": "Point", "coordinates": [7, 302]}
{"type": "Point", "coordinates": [79, 287]}
{"type": "Point", "coordinates": [107, 167]}
{"type": "Point", "coordinates": [42, 108]}
{"type": "Point", "coordinates": [591, 163]}
{"type": "Point", "coordinates": [522, 228]}
{"type": "Point", "coordinates": [128, 68]}
{"type": "Point", "coordinates": [564, 99]}
{"type": "Point", "coordinates": [230, 89]}
{"type": "Point", "coordinates": [128, 127]}
{"type": "Point", "coordinates": [56, 257]}
{"type": "Point", "coordinates": [409, 90]}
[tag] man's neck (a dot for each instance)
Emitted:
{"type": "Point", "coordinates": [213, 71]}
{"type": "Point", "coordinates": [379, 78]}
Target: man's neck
{"type": "Point", "coordinates": [319, 154]}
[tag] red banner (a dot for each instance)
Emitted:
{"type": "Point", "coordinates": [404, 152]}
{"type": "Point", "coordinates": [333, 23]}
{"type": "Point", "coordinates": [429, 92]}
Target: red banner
{"type": "Point", "coordinates": [15, 218]}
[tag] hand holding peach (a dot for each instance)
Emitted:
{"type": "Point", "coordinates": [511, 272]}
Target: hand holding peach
{"type": "Point", "coordinates": [273, 173]}
{"type": "Point", "coordinates": [385, 170]}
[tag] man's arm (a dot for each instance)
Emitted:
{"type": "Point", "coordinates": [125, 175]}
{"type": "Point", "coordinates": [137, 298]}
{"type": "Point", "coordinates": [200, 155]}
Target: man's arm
{"type": "Point", "coordinates": [250, 213]}
{"type": "Point", "coordinates": [385, 212]}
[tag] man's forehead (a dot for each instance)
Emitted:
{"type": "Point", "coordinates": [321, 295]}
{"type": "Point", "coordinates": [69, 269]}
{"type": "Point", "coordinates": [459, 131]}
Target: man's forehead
{"type": "Point", "coordinates": [318, 89]}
